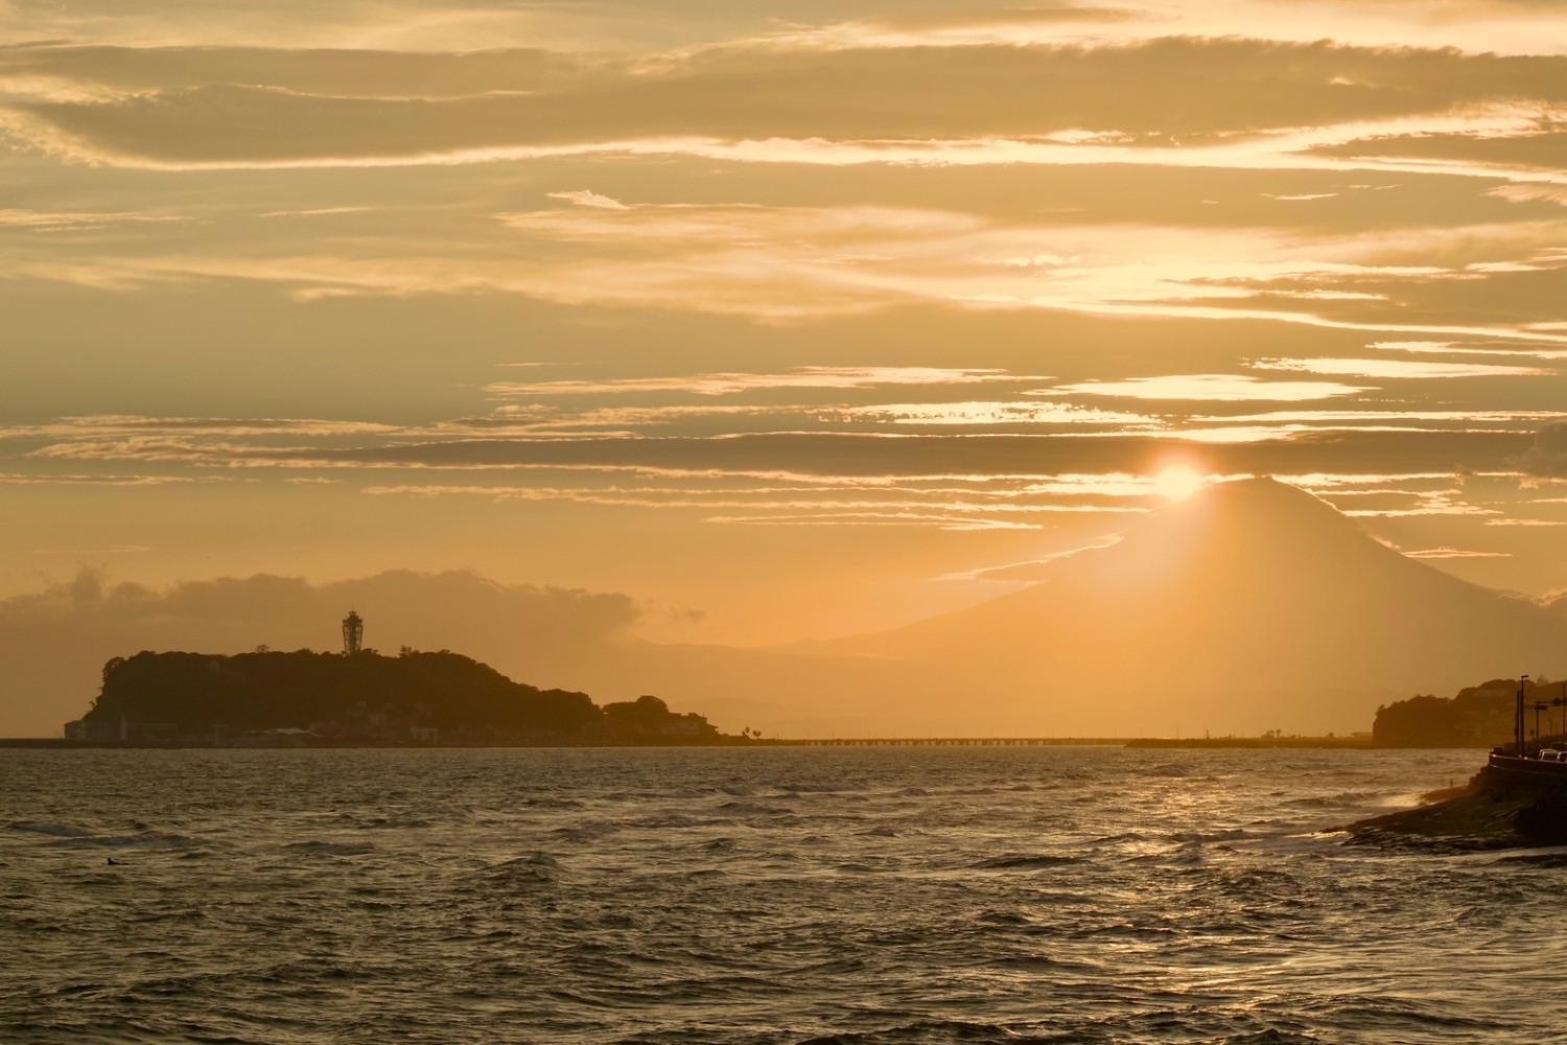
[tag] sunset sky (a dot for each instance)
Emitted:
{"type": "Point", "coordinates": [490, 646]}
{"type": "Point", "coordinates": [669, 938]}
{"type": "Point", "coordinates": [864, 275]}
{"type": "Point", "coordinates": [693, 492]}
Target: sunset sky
{"type": "Point", "coordinates": [786, 320]}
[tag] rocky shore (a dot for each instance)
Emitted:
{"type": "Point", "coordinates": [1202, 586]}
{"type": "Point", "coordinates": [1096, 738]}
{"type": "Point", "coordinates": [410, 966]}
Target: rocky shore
{"type": "Point", "coordinates": [1485, 814]}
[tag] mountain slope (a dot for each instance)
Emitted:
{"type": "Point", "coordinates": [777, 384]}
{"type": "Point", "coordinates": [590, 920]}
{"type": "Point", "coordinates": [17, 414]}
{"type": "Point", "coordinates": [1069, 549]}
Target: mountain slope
{"type": "Point", "coordinates": [1253, 605]}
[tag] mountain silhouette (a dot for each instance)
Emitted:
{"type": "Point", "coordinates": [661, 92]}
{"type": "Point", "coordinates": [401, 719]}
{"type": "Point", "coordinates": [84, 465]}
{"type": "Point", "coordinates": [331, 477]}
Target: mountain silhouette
{"type": "Point", "coordinates": [1250, 606]}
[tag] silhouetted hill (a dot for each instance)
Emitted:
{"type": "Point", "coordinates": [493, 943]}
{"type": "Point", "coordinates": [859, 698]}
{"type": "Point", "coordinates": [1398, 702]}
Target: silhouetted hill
{"type": "Point", "coordinates": [1479, 716]}
{"type": "Point", "coordinates": [415, 696]}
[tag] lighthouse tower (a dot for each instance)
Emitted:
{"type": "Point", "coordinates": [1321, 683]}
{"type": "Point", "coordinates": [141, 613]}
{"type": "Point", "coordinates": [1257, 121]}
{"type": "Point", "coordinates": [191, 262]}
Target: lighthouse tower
{"type": "Point", "coordinates": [353, 633]}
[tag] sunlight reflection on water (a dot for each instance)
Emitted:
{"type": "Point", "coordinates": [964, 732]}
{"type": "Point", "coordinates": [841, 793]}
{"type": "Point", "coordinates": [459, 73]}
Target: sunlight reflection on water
{"type": "Point", "coordinates": [774, 895]}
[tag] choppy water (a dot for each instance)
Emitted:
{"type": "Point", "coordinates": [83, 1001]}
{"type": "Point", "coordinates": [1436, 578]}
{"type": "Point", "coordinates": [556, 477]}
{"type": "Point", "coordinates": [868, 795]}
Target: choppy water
{"type": "Point", "coordinates": [779, 895]}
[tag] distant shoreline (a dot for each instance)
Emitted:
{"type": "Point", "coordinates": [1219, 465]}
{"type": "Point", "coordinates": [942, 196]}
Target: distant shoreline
{"type": "Point", "coordinates": [1204, 743]}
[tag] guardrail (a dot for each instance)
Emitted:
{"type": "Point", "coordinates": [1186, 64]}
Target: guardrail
{"type": "Point", "coordinates": [1531, 768]}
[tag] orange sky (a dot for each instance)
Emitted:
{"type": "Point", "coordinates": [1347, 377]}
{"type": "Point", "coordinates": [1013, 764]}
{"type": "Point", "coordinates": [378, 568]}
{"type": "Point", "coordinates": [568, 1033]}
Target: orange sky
{"type": "Point", "coordinates": [785, 321]}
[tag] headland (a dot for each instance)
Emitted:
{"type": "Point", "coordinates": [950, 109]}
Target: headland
{"type": "Point", "coordinates": [1518, 799]}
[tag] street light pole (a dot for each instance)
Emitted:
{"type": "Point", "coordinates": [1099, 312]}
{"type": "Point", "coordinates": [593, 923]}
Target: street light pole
{"type": "Point", "coordinates": [1518, 716]}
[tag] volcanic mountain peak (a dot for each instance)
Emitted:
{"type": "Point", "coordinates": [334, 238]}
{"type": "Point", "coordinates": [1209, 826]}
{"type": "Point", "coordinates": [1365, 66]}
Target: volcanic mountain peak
{"type": "Point", "coordinates": [1250, 605]}
{"type": "Point", "coordinates": [1236, 539]}
{"type": "Point", "coordinates": [1249, 514]}
{"type": "Point", "coordinates": [1266, 496]}
{"type": "Point", "coordinates": [1250, 576]}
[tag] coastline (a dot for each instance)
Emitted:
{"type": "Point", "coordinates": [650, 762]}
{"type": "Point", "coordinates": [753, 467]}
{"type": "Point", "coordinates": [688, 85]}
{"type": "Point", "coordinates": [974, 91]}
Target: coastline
{"type": "Point", "coordinates": [1494, 810]}
{"type": "Point", "coordinates": [1144, 743]}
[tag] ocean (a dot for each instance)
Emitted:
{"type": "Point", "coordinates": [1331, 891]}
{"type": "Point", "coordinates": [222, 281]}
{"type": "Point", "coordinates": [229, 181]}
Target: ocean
{"type": "Point", "coordinates": [764, 895]}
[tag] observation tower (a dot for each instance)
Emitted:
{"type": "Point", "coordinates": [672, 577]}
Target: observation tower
{"type": "Point", "coordinates": [353, 633]}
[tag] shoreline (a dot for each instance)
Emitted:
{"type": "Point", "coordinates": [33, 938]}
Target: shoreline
{"type": "Point", "coordinates": [1143, 743]}
{"type": "Point", "coordinates": [1494, 810]}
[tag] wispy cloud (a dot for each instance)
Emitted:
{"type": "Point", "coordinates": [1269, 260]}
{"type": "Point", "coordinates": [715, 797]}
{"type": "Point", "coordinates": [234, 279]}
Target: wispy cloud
{"type": "Point", "coordinates": [1457, 348]}
{"type": "Point", "coordinates": [725, 384]}
{"type": "Point", "coordinates": [78, 221]}
{"type": "Point", "coordinates": [315, 212]}
{"type": "Point", "coordinates": [1397, 369]}
{"type": "Point", "coordinates": [1229, 388]}
{"type": "Point", "coordinates": [763, 100]}
{"type": "Point", "coordinates": [588, 198]}
{"type": "Point", "coordinates": [994, 413]}
{"type": "Point", "coordinates": [84, 479]}
{"type": "Point", "coordinates": [1532, 193]}
{"type": "Point", "coordinates": [1029, 570]}
{"type": "Point", "coordinates": [953, 523]}
{"type": "Point", "coordinates": [1318, 417]}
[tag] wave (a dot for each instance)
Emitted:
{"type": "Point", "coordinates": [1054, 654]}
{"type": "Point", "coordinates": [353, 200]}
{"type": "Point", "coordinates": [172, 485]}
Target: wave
{"type": "Point", "coordinates": [552, 802]}
{"type": "Point", "coordinates": [934, 1030]}
{"type": "Point", "coordinates": [45, 827]}
{"type": "Point", "coordinates": [1553, 859]}
{"type": "Point", "coordinates": [1333, 801]}
{"type": "Point", "coordinates": [323, 848]}
{"type": "Point", "coordinates": [394, 823]}
{"type": "Point", "coordinates": [534, 869]}
{"type": "Point", "coordinates": [1024, 861]}
{"type": "Point", "coordinates": [753, 809]}
{"type": "Point", "coordinates": [1003, 918]}
{"type": "Point", "coordinates": [1234, 834]}
{"type": "Point", "coordinates": [1041, 963]}
{"type": "Point", "coordinates": [140, 840]}
{"type": "Point", "coordinates": [667, 821]}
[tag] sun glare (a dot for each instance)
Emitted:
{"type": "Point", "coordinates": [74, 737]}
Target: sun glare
{"type": "Point", "coordinates": [1177, 482]}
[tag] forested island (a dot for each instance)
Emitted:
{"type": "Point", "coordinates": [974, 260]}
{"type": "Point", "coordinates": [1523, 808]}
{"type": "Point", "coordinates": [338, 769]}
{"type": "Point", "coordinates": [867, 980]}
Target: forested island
{"type": "Point", "coordinates": [306, 697]}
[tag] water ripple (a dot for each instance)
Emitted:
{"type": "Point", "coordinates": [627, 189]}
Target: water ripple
{"type": "Point", "coordinates": [771, 896]}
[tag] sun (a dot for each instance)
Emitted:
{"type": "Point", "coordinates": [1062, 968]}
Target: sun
{"type": "Point", "coordinates": [1178, 482]}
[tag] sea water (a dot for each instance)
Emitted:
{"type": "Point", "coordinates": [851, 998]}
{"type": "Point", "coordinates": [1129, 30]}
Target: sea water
{"type": "Point", "coordinates": [757, 895]}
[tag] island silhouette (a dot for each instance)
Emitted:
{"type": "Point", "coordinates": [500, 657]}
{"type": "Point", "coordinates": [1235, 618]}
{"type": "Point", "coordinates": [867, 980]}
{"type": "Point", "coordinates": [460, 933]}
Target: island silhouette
{"type": "Point", "coordinates": [359, 697]}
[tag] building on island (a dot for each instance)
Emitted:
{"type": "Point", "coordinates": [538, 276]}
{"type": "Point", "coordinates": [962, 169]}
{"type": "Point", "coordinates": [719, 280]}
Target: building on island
{"type": "Point", "coordinates": [353, 633]}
